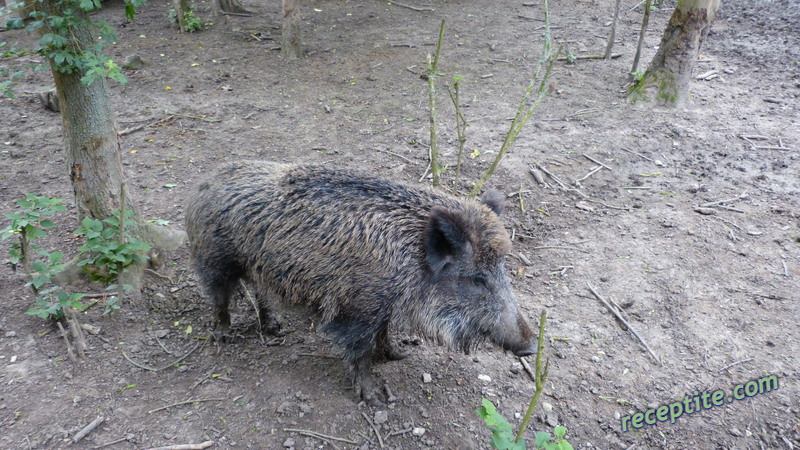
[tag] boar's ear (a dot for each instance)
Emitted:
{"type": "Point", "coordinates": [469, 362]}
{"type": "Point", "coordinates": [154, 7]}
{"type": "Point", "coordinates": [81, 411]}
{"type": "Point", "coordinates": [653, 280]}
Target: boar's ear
{"type": "Point", "coordinates": [494, 200]}
{"type": "Point", "coordinates": [445, 238]}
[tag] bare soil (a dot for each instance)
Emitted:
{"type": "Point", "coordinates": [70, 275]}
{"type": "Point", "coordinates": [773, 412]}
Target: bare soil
{"type": "Point", "coordinates": [713, 293]}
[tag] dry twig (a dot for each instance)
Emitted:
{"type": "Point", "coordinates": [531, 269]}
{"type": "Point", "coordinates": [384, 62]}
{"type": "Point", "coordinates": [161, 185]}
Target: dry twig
{"type": "Point", "coordinates": [88, 429]}
{"type": "Point", "coordinates": [199, 446]}
{"type": "Point", "coordinates": [321, 436]}
{"type": "Point", "coordinates": [624, 322]}
{"type": "Point", "coordinates": [413, 8]}
{"type": "Point", "coordinates": [374, 428]}
{"type": "Point", "coordinates": [395, 154]}
{"type": "Point", "coordinates": [527, 368]}
{"type": "Point", "coordinates": [186, 402]}
{"type": "Point", "coordinates": [153, 369]}
{"type": "Point", "coordinates": [596, 162]}
{"type": "Point", "coordinates": [735, 363]}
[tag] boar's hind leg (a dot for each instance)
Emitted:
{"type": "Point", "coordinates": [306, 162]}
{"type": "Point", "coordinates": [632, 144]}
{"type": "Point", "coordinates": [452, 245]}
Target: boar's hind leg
{"type": "Point", "coordinates": [220, 282]}
{"type": "Point", "coordinates": [270, 323]}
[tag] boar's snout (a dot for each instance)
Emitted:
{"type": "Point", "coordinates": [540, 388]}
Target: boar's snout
{"type": "Point", "coordinates": [530, 350]}
{"type": "Point", "coordinates": [519, 338]}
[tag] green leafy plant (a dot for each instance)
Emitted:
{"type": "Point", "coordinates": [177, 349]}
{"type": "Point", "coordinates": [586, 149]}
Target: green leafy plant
{"type": "Point", "coordinates": [51, 302]}
{"type": "Point", "coordinates": [639, 74]}
{"type": "Point", "coordinates": [110, 250]}
{"type": "Point", "coordinates": [191, 22]}
{"type": "Point", "coordinates": [29, 224]}
{"type": "Point", "coordinates": [58, 22]}
{"type": "Point", "coordinates": [503, 436]}
{"type": "Point", "coordinates": [502, 433]}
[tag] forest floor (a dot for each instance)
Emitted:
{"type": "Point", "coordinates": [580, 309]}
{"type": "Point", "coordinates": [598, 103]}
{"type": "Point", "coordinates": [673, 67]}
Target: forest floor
{"type": "Point", "coordinates": [712, 289]}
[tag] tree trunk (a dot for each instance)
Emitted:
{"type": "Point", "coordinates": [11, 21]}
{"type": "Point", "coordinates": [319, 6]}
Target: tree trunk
{"type": "Point", "coordinates": [181, 8]}
{"type": "Point", "coordinates": [291, 39]}
{"type": "Point", "coordinates": [670, 71]}
{"type": "Point", "coordinates": [232, 6]}
{"type": "Point", "coordinates": [92, 146]}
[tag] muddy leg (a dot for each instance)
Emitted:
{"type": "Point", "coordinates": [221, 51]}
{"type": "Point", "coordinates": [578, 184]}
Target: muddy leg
{"type": "Point", "coordinates": [364, 383]}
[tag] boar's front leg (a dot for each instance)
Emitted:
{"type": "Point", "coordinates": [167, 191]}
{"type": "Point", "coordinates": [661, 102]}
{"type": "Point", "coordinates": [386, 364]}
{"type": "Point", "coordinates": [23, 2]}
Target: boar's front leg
{"type": "Point", "coordinates": [364, 383]}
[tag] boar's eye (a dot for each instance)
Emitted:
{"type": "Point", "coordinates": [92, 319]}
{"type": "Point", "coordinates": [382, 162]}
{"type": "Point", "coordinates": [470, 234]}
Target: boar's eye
{"type": "Point", "coordinates": [480, 281]}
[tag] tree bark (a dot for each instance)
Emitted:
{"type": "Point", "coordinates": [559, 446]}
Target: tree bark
{"type": "Point", "coordinates": [92, 146]}
{"type": "Point", "coordinates": [670, 71]}
{"type": "Point", "coordinates": [232, 6]}
{"type": "Point", "coordinates": [613, 34]}
{"type": "Point", "coordinates": [181, 7]}
{"type": "Point", "coordinates": [291, 39]}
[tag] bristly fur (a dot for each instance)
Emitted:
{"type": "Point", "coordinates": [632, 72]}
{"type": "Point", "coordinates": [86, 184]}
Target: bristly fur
{"type": "Point", "coordinates": [361, 250]}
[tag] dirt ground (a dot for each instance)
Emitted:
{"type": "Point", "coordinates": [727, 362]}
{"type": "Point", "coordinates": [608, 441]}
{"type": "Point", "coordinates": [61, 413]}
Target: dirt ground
{"type": "Point", "coordinates": [713, 291]}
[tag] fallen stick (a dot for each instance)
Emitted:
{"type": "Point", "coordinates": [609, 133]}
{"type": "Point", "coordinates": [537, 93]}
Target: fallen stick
{"type": "Point", "coordinates": [527, 368]}
{"type": "Point", "coordinates": [320, 435]}
{"type": "Point", "coordinates": [413, 8]}
{"type": "Point", "coordinates": [596, 161]}
{"type": "Point", "coordinates": [158, 369]}
{"type": "Point", "coordinates": [549, 174]}
{"type": "Point", "coordinates": [727, 200]}
{"type": "Point", "coordinates": [88, 429]}
{"type": "Point", "coordinates": [560, 247]}
{"type": "Point", "coordinates": [735, 363]}
{"type": "Point", "coordinates": [199, 446]}
{"type": "Point", "coordinates": [575, 58]}
{"type": "Point", "coordinates": [624, 322]}
{"type": "Point", "coordinates": [591, 172]}
{"type": "Point", "coordinates": [127, 437]}
{"type": "Point", "coordinates": [637, 154]}
{"type": "Point", "coordinates": [395, 154]}
{"type": "Point", "coordinates": [186, 402]}
{"type": "Point", "coordinates": [395, 433]}
{"type": "Point", "coordinates": [374, 429]}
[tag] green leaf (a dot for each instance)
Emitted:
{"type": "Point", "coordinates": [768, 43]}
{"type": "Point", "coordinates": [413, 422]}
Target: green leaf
{"type": "Point", "coordinates": [15, 23]}
{"type": "Point", "coordinates": [39, 267]}
{"type": "Point", "coordinates": [87, 5]}
{"type": "Point", "coordinates": [560, 431]}
{"type": "Point", "coordinates": [34, 311]}
{"type": "Point", "coordinates": [502, 433]}
{"type": "Point", "coordinates": [564, 445]}
{"type": "Point", "coordinates": [55, 257]}
{"type": "Point", "coordinates": [130, 12]}
{"type": "Point", "coordinates": [541, 439]}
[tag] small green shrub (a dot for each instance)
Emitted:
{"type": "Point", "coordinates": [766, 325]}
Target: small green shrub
{"type": "Point", "coordinates": [108, 255]}
{"type": "Point", "coordinates": [191, 21]}
{"type": "Point", "coordinates": [29, 224]}
{"type": "Point", "coordinates": [503, 436]}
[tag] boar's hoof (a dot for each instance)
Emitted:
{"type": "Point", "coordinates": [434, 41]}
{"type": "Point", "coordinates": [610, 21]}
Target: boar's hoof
{"type": "Point", "coordinates": [271, 326]}
{"type": "Point", "coordinates": [370, 393]}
